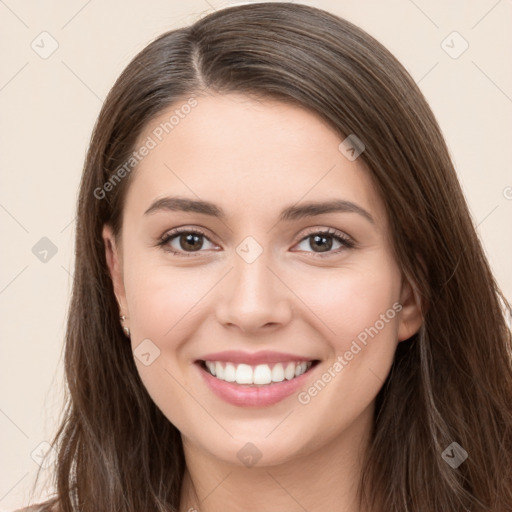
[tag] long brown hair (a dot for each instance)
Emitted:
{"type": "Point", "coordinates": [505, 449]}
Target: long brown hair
{"type": "Point", "coordinates": [449, 383]}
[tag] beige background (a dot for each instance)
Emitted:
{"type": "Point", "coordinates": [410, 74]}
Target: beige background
{"type": "Point", "coordinates": [49, 106]}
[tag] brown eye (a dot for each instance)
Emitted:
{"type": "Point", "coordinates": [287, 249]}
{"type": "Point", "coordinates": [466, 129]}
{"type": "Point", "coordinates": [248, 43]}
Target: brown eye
{"type": "Point", "coordinates": [183, 241]}
{"type": "Point", "coordinates": [190, 241]}
{"type": "Point", "coordinates": [322, 242]}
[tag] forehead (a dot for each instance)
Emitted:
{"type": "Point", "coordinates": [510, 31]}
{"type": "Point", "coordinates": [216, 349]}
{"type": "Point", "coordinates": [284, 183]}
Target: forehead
{"type": "Point", "coordinates": [246, 154]}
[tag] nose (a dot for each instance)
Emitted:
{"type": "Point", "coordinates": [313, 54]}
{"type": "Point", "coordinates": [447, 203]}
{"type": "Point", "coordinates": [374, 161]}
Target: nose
{"type": "Point", "coordinates": [254, 297]}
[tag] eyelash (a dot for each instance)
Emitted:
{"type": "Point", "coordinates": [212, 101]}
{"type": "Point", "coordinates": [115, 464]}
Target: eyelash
{"type": "Point", "coordinates": [346, 241]}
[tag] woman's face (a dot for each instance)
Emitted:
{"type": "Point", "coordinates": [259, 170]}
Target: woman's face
{"type": "Point", "coordinates": [259, 286]}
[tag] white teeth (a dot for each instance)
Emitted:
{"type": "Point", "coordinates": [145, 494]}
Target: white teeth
{"type": "Point", "coordinates": [229, 372]}
{"type": "Point", "coordinates": [211, 367]}
{"type": "Point", "coordinates": [243, 374]}
{"type": "Point", "coordinates": [278, 373]}
{"type": "Point", "coordinates": [289, 371]}
{"type": "Point", "coordinates": [260, 374]}
{"type": "Point", "coordinates": [300, 369]}
{"type": "Point", "coordinates": [219, 371]}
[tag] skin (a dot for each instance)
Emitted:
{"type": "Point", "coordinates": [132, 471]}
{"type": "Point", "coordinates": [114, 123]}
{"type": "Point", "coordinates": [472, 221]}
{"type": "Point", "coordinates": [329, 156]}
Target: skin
{"type": "Point", "coordinates": [254, 158]}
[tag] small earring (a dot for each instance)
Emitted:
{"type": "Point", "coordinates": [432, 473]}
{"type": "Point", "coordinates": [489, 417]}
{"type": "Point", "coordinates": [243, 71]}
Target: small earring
{"type": "Point", "coordinates": [126, 330]}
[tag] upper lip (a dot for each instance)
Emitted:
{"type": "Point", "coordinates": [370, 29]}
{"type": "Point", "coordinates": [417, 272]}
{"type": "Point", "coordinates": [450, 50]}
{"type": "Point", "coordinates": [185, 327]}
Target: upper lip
{"type": "Point", "coordinates": [254, 358]}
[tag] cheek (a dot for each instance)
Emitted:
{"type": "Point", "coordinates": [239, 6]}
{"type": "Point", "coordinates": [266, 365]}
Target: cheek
{"type": "Point", "coordinates": [164, 303]}
{"type": "Point", "coordinates": [162, 300]}
{"type": "Point", "coordinates": [347, 301]}
{"type": "Point", "coordinates": [357, 313]}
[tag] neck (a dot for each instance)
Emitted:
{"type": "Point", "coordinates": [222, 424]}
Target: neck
{"type": "Point", "coordinates": [324, 478]}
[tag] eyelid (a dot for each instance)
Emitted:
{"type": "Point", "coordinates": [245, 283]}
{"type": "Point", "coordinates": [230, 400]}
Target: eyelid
{"type": "Point", "coordinates": [330, 231]}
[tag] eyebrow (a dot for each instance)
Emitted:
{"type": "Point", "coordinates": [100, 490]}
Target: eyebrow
{"type": "Point", "coordinates": [290, 213]}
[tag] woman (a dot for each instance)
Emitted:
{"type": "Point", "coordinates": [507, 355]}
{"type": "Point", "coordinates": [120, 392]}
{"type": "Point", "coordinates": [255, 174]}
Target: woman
{"type": "Point", "coordinates": [221, 352]}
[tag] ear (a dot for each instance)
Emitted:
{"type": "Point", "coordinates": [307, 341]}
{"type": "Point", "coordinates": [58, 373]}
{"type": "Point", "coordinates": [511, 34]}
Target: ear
{"type": "Point", "coordinates": [115, 266]}
{"type": "Point", "coordinates": [411, 317]}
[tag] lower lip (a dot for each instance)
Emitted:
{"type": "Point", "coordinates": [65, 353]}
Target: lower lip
{"type": "Point", "coordinates": [253, 396]}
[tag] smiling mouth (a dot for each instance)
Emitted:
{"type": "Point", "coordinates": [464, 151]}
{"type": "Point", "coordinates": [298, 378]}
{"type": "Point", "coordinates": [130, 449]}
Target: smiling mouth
{"type": "Point", "coordinates": [256, 375]}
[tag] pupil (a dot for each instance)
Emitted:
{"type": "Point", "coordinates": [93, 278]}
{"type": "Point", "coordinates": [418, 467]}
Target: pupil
{"type": "Point", "coordinates": [190, 238]}
{"type": "Point", "coordinates": [322, 239]}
